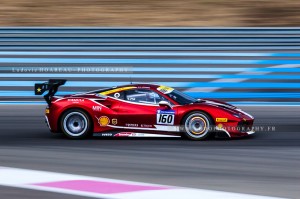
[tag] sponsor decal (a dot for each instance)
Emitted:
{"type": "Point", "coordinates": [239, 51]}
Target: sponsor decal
{"type": "Point", "coordinates": [76, 100]}
{"type": "Point", "coordinates": [38, 90]}
{"type": "Point", "coordinates": [117, 95]}
{"type": "Point", "coordinates": [165, 89]}
{"type": "Point", "coordinates": [107, 134]}
{"type": "Point", "coordinates": [125, 134]}
{"type": "Point", "coordinates": [103, 121]}
{"type": "Point", "coordinates": [132, 125]}
{"type": "Point", "coordinates": [146, 125]}
{"type": "Point", "coordinates": [167, 128]}
{"type": "Point", "coordinates": [114, 121]}
{"type": "Point", "coordinates": [220, 126]}
{"type": "Point", "coordinates": [97, 108]}
{"type": "Point", "coordinates": [129, 134]}
{"type": "Point", "coordinates": [131, 98]}
{"type": "Point", "coordinates": [47, 111]}
{"type": "Point", "coordinates": [221, 119]}
{"type": "Point", "coordinates": [117, 90]}
{"type": "Point", "coordinates": [165, 117]}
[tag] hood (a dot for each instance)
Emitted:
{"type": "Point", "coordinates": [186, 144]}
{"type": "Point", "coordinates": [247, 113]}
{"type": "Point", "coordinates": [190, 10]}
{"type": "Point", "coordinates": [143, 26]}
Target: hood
{"type": "Point", "coordinates": [218, 103]}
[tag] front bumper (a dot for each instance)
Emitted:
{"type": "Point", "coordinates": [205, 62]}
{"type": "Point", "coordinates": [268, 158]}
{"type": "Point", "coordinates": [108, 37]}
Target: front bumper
{"type": "Point", "coordinates": [241, 128]}
{"type": "Point", "coordinates": [250, 132]}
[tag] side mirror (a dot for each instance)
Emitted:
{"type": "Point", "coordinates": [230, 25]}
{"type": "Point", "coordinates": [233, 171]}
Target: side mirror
{"type": "Point", "coordinates": [165, 104]}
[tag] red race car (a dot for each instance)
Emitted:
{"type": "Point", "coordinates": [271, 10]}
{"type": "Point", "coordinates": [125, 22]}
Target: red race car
{"type": "Point", "coordinates": [140, 110]}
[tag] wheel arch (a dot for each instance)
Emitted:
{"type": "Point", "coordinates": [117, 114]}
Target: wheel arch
{"type": "Point", "coordinates": [75, 108]}
{"type": "Point", "coordinates": [186, 134]}
{"type": "Point", "coordinates": [195, 110]}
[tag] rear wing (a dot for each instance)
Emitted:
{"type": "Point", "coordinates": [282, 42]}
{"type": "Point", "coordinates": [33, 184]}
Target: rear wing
{"type": "Point", "coordinates": [51, 86]}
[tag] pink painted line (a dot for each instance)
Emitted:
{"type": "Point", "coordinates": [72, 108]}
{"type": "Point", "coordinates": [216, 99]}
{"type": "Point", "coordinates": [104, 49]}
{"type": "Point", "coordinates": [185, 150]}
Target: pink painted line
{"type": "Point", "coordinates": [99, 187]}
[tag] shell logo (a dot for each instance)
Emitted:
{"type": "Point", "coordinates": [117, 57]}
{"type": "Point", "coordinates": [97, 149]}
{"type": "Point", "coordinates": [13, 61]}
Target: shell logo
{"type": "Point", "coordinates": [103, 121]}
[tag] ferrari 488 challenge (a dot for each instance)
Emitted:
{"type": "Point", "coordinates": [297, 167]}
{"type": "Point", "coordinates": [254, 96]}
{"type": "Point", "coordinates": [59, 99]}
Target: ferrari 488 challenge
{"type": "Point", "coordinates": [137, 110]}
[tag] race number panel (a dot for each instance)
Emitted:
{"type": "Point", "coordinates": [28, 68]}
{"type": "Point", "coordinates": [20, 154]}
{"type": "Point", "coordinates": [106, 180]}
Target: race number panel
{"type": "Point", "coordinates": [165, 117]}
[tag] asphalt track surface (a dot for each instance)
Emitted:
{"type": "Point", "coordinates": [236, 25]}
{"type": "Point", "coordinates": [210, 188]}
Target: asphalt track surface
{"type": "Point", "coordinates": [266, 163]}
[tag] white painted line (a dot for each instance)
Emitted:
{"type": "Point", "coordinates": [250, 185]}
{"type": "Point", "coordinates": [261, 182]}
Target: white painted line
{"type": "Point", "coordinates": [105, 188]}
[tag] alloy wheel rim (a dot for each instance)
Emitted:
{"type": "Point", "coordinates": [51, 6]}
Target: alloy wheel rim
{"type": "Point", "coordinates": [197, 125]}
{"type": "Point", "coordinates": [75, 124]}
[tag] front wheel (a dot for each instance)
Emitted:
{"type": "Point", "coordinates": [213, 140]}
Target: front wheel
{"type": "Point", "coordinates": [196, 125]}
{"type": "Point", "coordinates": [75, 124]}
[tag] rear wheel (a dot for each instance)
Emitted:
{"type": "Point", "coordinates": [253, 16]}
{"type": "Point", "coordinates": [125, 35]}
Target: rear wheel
{"type": "Point", "coordinates": [196, 125]}
{"type": "Point", "coordinates": [75, 124]}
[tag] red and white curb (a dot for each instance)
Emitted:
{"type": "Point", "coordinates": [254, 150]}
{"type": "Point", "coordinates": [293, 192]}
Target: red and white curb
{"type": "Point", "coordinates": [105, 188]}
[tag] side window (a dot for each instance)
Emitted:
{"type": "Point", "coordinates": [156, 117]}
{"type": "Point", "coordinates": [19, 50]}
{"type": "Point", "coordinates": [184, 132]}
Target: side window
{"type": "Point", "coordinates": [118, 95]}
{"type": "Point", "coordinates": [144, 96]}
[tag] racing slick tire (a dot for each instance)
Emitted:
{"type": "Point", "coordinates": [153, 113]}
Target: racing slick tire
{"type": "Point", "coordinates": [76, 124]}
{"type": "Point", "coordinates": [196, 125]}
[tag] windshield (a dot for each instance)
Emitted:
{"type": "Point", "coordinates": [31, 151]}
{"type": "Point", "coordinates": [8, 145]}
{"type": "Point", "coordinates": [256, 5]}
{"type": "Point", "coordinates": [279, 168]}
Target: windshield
{"type": "Point", "coordinates": [180, 97]}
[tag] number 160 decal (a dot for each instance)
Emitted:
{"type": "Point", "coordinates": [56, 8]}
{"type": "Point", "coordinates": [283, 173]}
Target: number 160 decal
{"type": "Point", "coordinates": [165, 117]}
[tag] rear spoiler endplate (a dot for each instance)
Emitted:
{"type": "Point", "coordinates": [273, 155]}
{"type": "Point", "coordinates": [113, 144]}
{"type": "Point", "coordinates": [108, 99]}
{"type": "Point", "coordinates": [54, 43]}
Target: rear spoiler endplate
{"type": "Point", "coordinates": [51, 86]}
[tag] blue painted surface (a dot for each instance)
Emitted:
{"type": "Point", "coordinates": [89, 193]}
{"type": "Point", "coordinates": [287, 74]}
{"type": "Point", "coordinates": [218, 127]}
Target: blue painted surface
{"type": "Point", "coordinates": [233, 103]}
{"type": "Point", "coordinates": [164, 69]}
{"type": "Point", "coordinates": [172, 54]}
{"type": "Point", "coordinates": [188, 66]}
{"type": "Point", "coordinates": [282, 95]}
{"type": "Point", "coordinates": [93, 84]}
{"type": "Point", "coordinates": [149, 76]}
{"type": "Point", "coordinates": [136, 61]}
{"type": "Point", "coordinates": [188, 54]}
{"type": "Point", "coordinates": [142, 61]}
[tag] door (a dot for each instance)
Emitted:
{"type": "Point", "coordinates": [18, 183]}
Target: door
{"type": "Point", "coordinates": [140, 111]}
